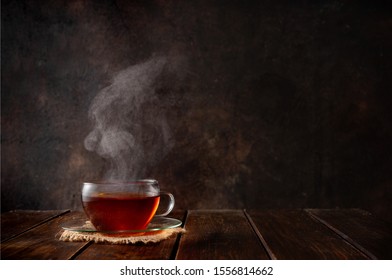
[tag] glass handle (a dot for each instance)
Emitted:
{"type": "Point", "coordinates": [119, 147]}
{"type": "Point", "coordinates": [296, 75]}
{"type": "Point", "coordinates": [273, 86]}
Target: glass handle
{"type": "Point", "coordinates": [170, 206]}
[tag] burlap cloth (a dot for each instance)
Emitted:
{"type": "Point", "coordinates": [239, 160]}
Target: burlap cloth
{"type": "Point", "coordinates": [143, 237]}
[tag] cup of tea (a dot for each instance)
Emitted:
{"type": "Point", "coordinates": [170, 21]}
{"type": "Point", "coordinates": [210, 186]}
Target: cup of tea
{"type": "Point", "coordinates": [122, 206]}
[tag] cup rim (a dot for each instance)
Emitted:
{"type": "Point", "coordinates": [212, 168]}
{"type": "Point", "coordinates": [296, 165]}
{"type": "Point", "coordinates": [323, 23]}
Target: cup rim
{"type": "Point", "coordinates": [122, 182]}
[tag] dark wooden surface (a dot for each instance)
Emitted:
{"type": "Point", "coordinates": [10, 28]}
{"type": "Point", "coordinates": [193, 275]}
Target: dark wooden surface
{"type": "Point", "coordinates": [212, 234]}
{"type": "Point", "coordinates": [224, 234]}
{"type": "Point", "coordinates": [295, 235]}
{"type": "Point", "coordinates": [371, 236]}
{"type": "Point", "coordinates": [17, 222]}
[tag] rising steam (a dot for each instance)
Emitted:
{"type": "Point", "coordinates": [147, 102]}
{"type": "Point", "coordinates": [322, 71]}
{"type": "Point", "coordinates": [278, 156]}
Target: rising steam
{"type": "Point", "coordinates": [130, 135]}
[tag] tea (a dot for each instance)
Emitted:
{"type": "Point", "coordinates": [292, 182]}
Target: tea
{"type": "Point", "coordinates": [113, 212]}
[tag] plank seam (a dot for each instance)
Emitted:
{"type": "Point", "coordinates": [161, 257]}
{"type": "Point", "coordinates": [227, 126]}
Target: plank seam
{"type": "Point", "coordinates": [174, 252]}
{"type": "Point", "coordinates": [345, 237]}
{"type": "Point", "coordinates": [264, 243]}
{"type": "Point", "coordinates": [80, 250]}
{"type": "Point", "coordinates": [36, 225]}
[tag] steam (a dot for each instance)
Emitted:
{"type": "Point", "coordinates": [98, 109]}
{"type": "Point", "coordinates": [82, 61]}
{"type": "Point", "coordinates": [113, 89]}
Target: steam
{"type": "Point", "coordinates": [130, 129]}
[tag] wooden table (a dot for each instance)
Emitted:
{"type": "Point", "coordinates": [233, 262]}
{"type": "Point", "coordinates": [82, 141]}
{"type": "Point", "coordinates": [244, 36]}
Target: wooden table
{"type": "Point", "coordinates": [212, 234]}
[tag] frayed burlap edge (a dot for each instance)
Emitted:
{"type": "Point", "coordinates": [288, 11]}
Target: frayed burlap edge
{"type": "Point", "coordinates": [153, 237]}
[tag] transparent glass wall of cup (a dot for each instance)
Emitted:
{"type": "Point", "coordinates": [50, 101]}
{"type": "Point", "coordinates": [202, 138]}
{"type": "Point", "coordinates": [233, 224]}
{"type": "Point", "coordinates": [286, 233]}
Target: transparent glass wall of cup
{"type": "Point", "coordinates": [119, 206]}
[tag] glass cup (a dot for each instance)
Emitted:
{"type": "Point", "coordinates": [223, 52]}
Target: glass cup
{"type": "Point", "coordinates": [119, 206]}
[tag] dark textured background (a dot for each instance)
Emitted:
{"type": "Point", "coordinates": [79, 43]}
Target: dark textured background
{"type": "Point", "coordinates": [282, 105]}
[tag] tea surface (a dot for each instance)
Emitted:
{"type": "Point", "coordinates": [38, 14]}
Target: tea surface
{"type": "Point", "coordinates": [120, 211]}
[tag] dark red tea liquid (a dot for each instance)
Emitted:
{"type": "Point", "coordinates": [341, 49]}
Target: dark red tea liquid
{"type": "Point", "coordinates": [113, 212]}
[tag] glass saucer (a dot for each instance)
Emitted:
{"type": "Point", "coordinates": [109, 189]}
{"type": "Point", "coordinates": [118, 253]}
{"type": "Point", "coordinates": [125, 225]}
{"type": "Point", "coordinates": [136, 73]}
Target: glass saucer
{"type": "Point", "coordinates": [156, 224]}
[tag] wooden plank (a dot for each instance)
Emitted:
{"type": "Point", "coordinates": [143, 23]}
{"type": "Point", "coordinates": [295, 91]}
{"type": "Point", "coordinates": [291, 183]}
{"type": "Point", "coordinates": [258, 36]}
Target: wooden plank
{"type": "Point", "coordinates": [367, 233]}
{"type": "Point", "coordinates": [293, 234]}
{"type": "Point", "coordinates": [42, 242]}
{"type": "Point", "coordinates": [18, 221]}
{"type": "Point", "coordinates": [219, 234]}
{"type": "Point", "coordinates": [267, 248]}
{"type": "Point", "coordinates": [152, 251]}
